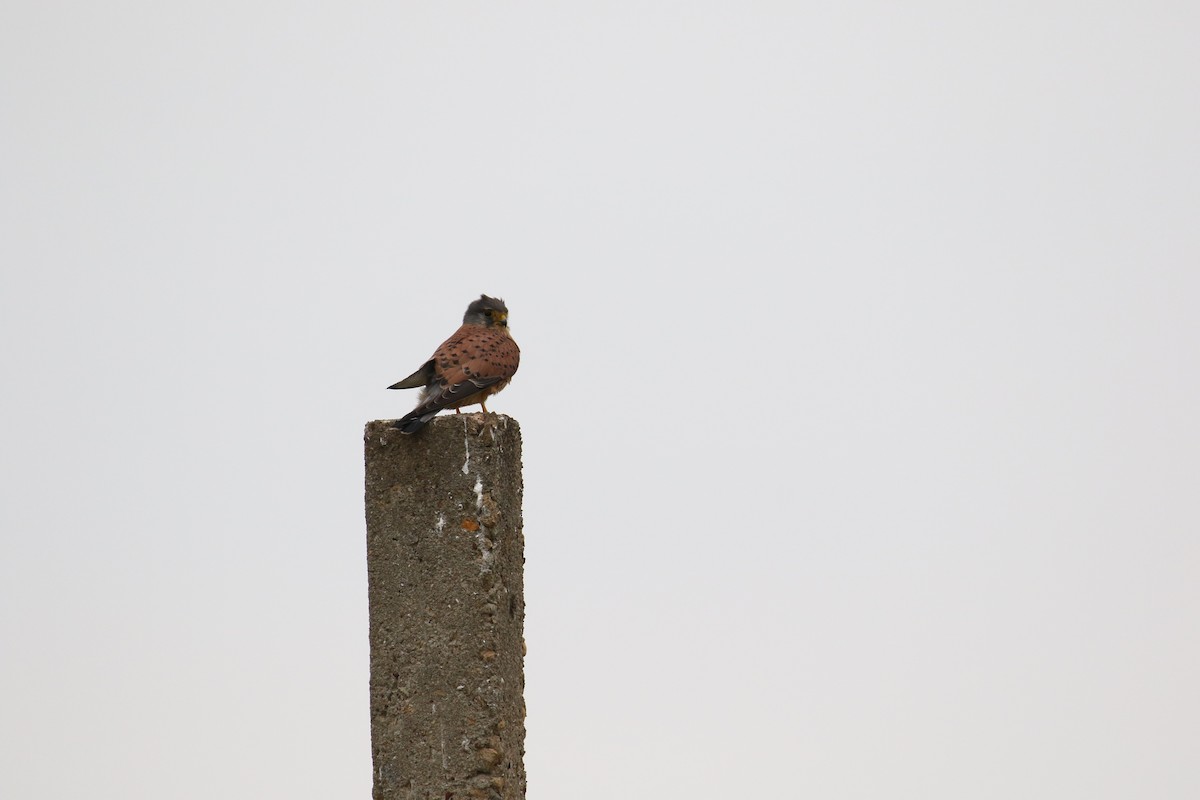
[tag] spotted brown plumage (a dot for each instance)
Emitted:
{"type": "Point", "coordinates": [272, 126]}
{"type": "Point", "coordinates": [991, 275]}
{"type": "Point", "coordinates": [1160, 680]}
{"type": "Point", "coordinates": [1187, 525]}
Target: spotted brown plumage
{"type": "Point", "coordinates": [468, 368]}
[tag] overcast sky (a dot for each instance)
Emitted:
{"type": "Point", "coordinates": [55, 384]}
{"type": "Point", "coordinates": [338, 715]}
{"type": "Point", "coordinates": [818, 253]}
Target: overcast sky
{"type": "Point", "coordinates": [859, 386]}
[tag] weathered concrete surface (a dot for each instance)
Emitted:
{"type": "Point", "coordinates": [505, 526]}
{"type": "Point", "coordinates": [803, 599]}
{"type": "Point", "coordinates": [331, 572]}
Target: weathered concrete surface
{"type": "Point", "coordinates": [445, 559]}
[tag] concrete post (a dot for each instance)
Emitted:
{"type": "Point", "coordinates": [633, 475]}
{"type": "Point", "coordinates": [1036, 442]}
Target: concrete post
{"type": "Point", "coordinates": [445, 558]}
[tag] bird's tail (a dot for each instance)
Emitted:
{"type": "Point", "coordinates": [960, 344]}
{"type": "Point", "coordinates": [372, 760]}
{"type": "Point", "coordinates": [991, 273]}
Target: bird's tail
{"type": "Point", "coordinates": [413, 421]}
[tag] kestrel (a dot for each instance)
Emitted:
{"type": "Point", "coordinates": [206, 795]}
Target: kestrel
{"type": "Point", "coordinates": [468, 368]}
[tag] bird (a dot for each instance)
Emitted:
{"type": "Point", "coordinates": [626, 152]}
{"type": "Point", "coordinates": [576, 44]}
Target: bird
{"type": "Point", "coordinates": [477, 361]}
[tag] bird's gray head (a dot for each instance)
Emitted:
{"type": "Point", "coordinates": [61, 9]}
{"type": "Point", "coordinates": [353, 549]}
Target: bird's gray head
{"type": "Point", "coordinates": [487, 311]}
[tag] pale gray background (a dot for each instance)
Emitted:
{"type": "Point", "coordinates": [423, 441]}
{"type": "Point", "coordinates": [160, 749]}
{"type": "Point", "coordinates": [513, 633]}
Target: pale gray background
{"type": "Point", "coordinates": [859, 390]}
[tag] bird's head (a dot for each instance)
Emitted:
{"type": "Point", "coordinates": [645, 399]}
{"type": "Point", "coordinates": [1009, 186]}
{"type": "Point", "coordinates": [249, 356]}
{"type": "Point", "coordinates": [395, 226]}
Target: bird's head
{"type": "Point", "coordinates": [487, 311]}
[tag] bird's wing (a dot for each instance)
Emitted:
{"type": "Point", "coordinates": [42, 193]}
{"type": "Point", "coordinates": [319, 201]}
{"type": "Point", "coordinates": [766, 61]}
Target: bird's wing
{"type": "Point", "coordinates": [473, 359]}
{"type": "Point", "coordinates": [421, 377]}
